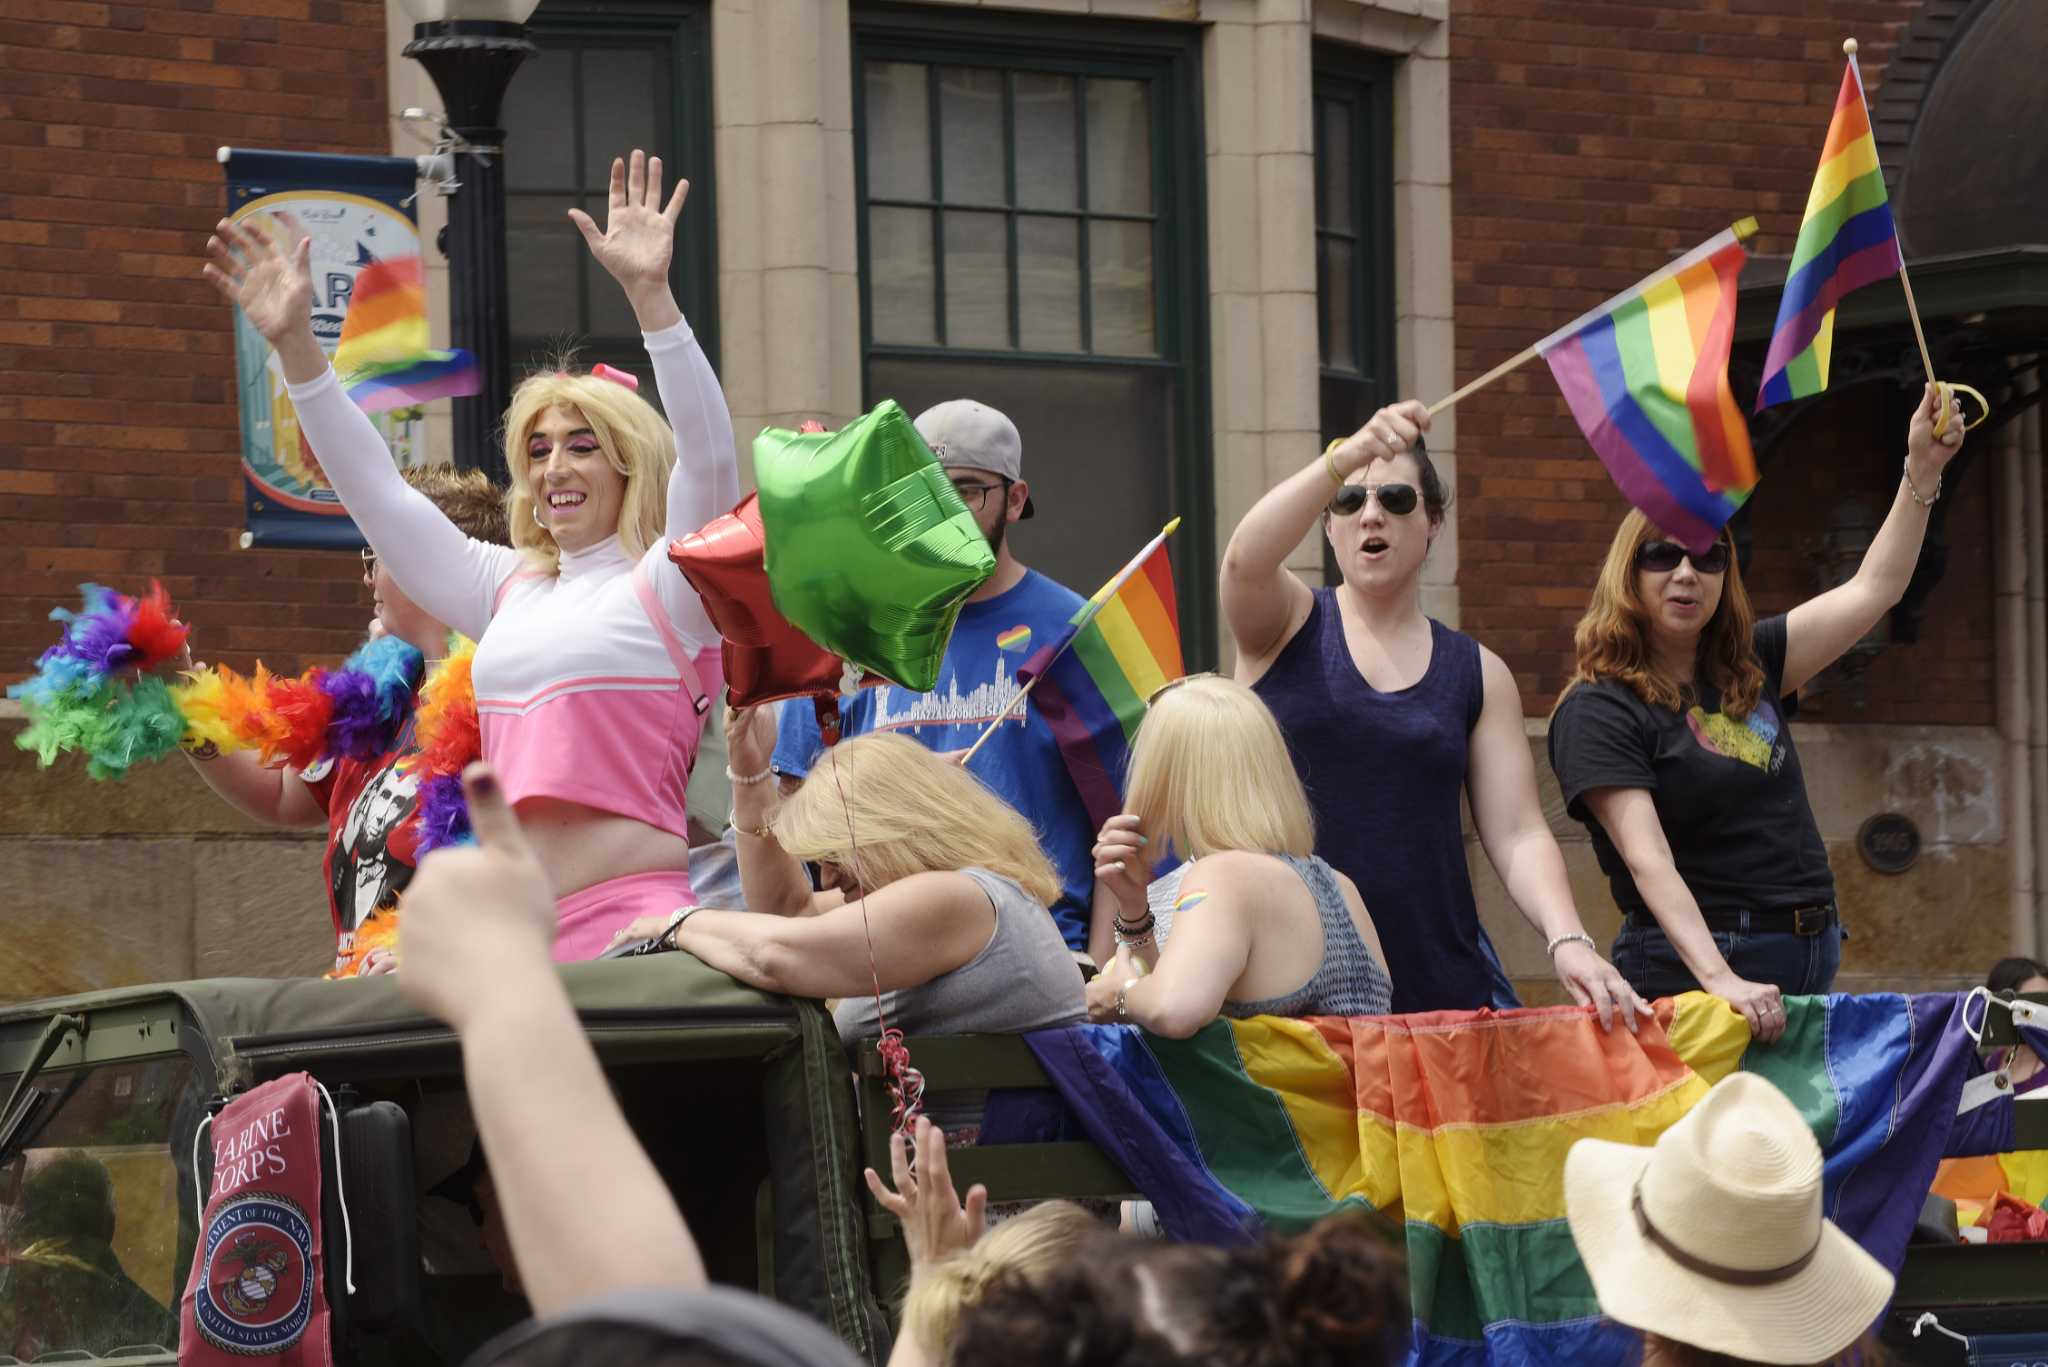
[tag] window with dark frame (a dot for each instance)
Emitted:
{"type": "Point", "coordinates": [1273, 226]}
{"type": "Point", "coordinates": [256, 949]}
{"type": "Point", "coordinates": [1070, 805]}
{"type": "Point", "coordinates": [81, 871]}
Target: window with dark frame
{"type": "Point", "coordinates": [1031, 236]}
{"type": "Point", "coordinates": [608, 78]}
{"type": "Point", "coordinates": [1354, 177]}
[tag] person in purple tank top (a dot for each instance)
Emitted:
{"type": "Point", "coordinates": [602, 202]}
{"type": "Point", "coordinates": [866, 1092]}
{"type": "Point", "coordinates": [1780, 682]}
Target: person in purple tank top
{"type": "Point", "coordinates": [1393, 718]}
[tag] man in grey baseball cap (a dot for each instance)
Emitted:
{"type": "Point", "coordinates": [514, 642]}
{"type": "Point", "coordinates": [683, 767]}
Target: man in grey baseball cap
{"type": "Point", "coordinates": [1014, 612]}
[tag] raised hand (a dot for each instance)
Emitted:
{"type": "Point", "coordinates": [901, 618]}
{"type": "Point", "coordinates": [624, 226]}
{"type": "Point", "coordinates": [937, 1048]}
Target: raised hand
{"type": "Point", "coordinates": [639, 236]}
{"type": "Point", "coordinates": [935, 1221]}
{"type": "Point", "coordinates": [479, 922]}
{"type": "Point", "coordinates": [1122, 865]}
{"type": "Point", "coordinates": [749, 738]}
{"type": "Point", "coordinates": [272, 286]}
{"type": "Point", "coordinates": [1928, 453]}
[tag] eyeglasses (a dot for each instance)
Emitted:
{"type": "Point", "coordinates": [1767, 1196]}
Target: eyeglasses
{"type": "Point", "coordinates": [1662, 557]}
{"type": "Point", "coordinates": [1156, 694]}
{"type": "Point", "coordinates": [975, 495]}
{"type": "Point", "coordinates": [369, 562]}
{"type": "Point", "coordinates": [1396, 500]}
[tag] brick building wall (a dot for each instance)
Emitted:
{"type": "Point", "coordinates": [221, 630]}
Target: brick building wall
{"type": "Point", "coordinates": [1591, 142]}
{"type": "Point", "coordinates": [116, 358]}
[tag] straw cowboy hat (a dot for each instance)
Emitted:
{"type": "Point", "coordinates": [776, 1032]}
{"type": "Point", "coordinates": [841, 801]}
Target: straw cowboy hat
{"type": "Point", "coordinates": [1714, 1237]}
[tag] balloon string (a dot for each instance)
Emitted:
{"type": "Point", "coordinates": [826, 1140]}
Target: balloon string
{"type": "Point", "coordinates": [906, 1084]}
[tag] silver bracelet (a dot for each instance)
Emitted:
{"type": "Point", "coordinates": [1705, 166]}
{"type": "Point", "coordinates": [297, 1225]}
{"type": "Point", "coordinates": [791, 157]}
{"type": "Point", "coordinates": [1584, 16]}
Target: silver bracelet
{"type": "Point", "coordinates": [1576, 936]}
{"type": "Point", "coordinates": [751, 779]}
{"type": "Point", "coordinates": [1914, 489]}
{"type": "Point", "coordinates": [675, 922]}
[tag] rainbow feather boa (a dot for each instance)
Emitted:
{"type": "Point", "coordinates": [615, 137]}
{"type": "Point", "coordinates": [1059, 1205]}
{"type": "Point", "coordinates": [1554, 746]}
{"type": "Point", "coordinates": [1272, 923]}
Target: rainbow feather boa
{"type": "Point", "coordinates": [95, 693]}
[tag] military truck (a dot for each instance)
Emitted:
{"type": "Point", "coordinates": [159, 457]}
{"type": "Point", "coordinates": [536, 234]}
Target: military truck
{"type": "Point", "coordinates": [743, 1099]}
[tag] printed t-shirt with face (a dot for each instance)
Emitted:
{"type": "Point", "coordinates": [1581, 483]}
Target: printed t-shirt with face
{"type": "Point", "coordinates": [372, 830]}
{"type": "Point", "coordinates": [977, 684]}
{"type": "Point", "coordinates": [1729, 791]}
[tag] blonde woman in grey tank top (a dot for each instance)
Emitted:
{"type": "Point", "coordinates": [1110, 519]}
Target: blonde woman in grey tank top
{"type": "Point", "coordinates": [1259, 925]}
{"type": "Point", "coordinates": [943, 878]}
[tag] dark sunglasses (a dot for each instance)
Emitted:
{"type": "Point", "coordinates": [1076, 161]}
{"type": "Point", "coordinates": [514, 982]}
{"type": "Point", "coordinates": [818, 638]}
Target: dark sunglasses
{"type": "Point", "coordinates": [1662, 557]}
{"type": "Point", "coordinates": [1396, 500]}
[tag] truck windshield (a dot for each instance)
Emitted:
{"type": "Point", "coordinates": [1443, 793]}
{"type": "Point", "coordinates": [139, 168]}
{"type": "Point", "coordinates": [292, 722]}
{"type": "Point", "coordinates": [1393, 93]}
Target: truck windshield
{"type": "Point", "coordinates": [91, 1259]}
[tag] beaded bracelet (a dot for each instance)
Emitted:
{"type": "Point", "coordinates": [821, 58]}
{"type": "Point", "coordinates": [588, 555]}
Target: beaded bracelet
{"type": "Point", "coordinates": [751, 779]}
{"type": "Point", "coordinates": [1573, 937]}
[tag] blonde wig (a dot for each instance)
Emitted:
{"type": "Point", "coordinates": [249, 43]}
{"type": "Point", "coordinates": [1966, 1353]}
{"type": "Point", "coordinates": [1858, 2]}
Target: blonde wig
{"type": "Point", "coordinates": [635, 440]}
{"type": "Point", "coordinates": [883, 807]}
{"type": "Point", "coordinates": [1030, 1247]}
{"type": "Point", "coordinates": [1210, 772]}
{"type": "Point", "coordinates": [1613, 638]}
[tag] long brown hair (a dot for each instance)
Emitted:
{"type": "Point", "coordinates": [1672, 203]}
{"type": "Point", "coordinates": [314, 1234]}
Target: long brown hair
{"type": "Point", "coordinates": [1613, 638]}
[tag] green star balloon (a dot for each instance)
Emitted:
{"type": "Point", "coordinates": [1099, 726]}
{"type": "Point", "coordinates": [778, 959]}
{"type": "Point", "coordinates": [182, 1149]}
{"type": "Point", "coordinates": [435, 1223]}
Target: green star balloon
{"type": "Point", "coordinates": [870, 550]}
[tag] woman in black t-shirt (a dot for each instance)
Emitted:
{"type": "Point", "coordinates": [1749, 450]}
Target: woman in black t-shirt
{"type": "Point", "coordinates": [1670, 744]}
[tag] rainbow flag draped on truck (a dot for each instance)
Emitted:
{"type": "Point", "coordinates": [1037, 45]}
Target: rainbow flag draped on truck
{"type": "Point", "coordinates": [1646, 375]}
{"type": "Point", "coordinates": [1093, 681]}
{"type": "Point", "coordinates": [1455, 1125]}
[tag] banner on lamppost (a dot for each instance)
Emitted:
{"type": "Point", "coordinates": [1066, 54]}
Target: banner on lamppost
{"type": "Point", "coordinates": [357, 212]}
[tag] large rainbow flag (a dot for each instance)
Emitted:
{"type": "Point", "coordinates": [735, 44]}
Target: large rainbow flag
{"type": "Point", "coordinates": [1646, 375]}
{"type": "Point", "coordinates": [1846, 241]}
{"type": "Point", "coordinates": [1456, 1124]}
{"type": "Point", "coordinates": [385, 357]}
{"type": "Point", "coordinates": [1093, 681]}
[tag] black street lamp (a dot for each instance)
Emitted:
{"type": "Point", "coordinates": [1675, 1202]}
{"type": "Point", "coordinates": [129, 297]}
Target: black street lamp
{"type": "Point", "coordinates": [471, 48]}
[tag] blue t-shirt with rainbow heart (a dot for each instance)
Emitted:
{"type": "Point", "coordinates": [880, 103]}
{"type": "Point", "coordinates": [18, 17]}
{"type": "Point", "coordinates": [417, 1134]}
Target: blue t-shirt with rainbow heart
{"type": "Point", "coordinates": [977, 684]}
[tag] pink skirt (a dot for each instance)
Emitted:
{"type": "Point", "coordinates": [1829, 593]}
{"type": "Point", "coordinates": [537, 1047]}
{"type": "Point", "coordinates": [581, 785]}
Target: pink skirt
{"type": "Point", "coordinates": [587, 919]}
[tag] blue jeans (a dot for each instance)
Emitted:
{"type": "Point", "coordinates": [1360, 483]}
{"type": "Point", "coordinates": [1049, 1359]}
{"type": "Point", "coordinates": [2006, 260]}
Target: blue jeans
{"type": "Point", "coordinates": [1796, 964]}
{"type": "Point", "coordinates": [1500, 991]}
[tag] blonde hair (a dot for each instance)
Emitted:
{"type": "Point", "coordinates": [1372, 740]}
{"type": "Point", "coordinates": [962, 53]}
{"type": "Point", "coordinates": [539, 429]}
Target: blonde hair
{"type": "Point", "coordinates": [1210, 772]}
{"type": "Point", "coordinates": [636, 442]}
{"type": "Point", "coordinates": [1030, 1247]}
{"type": "Point", "coordinates": [1612, 640]}
{"type": "Point", "coordinates": [883, 807]}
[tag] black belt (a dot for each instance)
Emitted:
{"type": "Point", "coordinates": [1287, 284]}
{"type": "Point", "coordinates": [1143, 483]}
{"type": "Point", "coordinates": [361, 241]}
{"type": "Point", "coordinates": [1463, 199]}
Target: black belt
{"type": "Point", "coordinates": [1797, 920]}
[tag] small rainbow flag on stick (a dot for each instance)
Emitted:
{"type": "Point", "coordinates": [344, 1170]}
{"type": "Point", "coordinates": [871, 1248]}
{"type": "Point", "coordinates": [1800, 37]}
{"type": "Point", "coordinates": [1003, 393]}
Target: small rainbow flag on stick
{"type": "Point", "coordinates": [1846, 241]}
{"type": "Point", "coordinates": [1646, 375]}
{"type": "Point", "coordinates": [1091, 684]}
{"type": "Point", "coordinates": [384, 357]}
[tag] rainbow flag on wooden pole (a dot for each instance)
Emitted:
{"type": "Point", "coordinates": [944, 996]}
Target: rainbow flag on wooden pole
{"type": "Point", "coordinates": [384, 357]}
{"type": "Point", "coordinates": [1846, 241]}
{"type": "Point", "coordinates": [1646, 375]}
{"type": "Point", "coordinates": [1092, 682]}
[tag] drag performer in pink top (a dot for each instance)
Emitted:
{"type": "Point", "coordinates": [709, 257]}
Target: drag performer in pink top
{"type": "Point", "coordinates": [595, 661]}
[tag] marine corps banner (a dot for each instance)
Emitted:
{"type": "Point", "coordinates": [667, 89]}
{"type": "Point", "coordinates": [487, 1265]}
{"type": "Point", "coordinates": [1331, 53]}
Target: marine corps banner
{"type": "Point", "coordinates": [256, 1290]}
{"type": "Point", "coordinates": [354, 209]}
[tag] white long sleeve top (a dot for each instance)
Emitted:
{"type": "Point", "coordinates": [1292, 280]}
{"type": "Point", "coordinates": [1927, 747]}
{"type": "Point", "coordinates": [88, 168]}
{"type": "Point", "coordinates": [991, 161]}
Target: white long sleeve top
{"type": "Point", "coordinates": [590, 683]}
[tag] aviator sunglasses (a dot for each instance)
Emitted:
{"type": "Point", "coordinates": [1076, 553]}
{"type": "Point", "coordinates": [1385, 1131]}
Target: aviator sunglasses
{"type": "Point", "coordinates": [1395, 499]}
{"type": "Point", "coordinates": [1662, 557]}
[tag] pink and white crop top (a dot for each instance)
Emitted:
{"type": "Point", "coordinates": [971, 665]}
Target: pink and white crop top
{"type": "Point", "coordinates": [584, 679]}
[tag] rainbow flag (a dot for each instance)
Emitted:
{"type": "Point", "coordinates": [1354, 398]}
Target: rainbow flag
{"type": "Point", "coordinates": [1646, 375]}
{"type": "Point", "coordinates": [1455, 1124]}
{"type": "Point", "coordinates": [384, 356]}
{"type": "Point", "coordinates": [1093, 681]}
{"type": "Point", "coordinates": [1846, 241]}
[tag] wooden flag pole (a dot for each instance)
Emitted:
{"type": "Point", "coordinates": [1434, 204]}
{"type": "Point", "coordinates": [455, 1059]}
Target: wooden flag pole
{"type": "Point", "coordinates": [1513, 363]}
{"type": "Point", "coordinates": [990, 730]}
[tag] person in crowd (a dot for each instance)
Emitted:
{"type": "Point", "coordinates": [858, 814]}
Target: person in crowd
{"type": "Point", "coordinates": [609, 1266]}
{"type": "Point", "coordinates": [1013, 612]}
{"type": "Point", "coordinates": [1712, 1244]}
{"type": "Point", "coordinates": [1975, 1183]}
{"type": "Point", "coordinates": [1393, 717]}
{"type": "Point", "coordinates": [2022, 1062]}
{"type": "Point", "coordinates": [368, 806]}
{"type": "Point", "coordinates": [595, 660]}
{"type": "Point", "coordinates": [1260, 926]}
{"type": "Point", "coordinates": [1670, 743]}
{"type": "Point", "coordinates": [935, 895]}
{"type": "Point", "coordinates": [1334, 1296]}
{"type": "Point", "coordinates": [954, 1256]}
